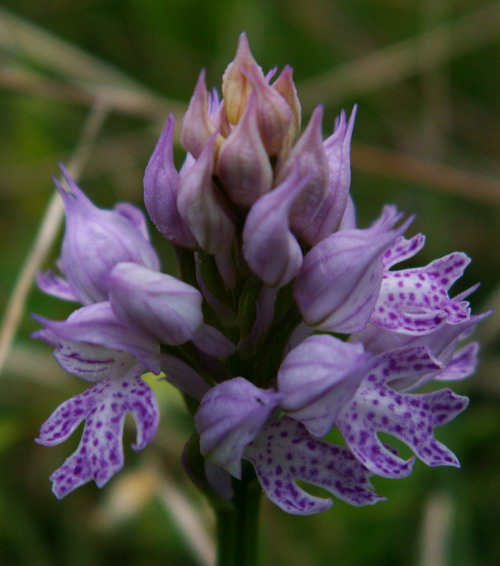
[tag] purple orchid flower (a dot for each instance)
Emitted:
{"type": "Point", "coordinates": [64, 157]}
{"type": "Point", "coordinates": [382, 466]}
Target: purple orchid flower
{"type": "Point", "coordinates": [377, 407]}
{"type": "Point", "coordinates": [272, 262]}
{"type": "Point", "coordinates": [95, 346]}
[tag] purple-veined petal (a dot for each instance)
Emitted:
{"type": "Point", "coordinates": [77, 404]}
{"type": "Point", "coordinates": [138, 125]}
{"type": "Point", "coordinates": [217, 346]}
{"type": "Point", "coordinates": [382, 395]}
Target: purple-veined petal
{"type": "Point", "coordinates": [135, 216]}
{"type": "Point", "coordinates": [307, 159]}
{"type": "Point", "coordinates": [97, 325]}
{"type": "Point", "coordinates": [52, 284]}
{"type": "Point", "coordinates": [95, 240]}
{"type": "Point", "coordinates": [274, 116]}
{"type": "Point", "coordinates": [230, 416]}
{"type": "Point", "coordinates": [462, 364]}
{"type": "Point", "coordinates": [197, 127]}
{"type": "Point", "coordinates": [319, 377]}
{"type": "Point", "coordinates": [100, 453]}
{"type": "Point", "coordinates": [409, 417]}
{"type": "Point", "coordinates": [285, 86]}
{"type": "Point", "coordinates": [285, 452]}
{"type": "Point", "coordinates": [202, 206]}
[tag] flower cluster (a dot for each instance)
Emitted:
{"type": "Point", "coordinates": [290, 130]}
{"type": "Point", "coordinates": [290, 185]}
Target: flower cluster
{"type": "Point", "coordinates": [288, 319]}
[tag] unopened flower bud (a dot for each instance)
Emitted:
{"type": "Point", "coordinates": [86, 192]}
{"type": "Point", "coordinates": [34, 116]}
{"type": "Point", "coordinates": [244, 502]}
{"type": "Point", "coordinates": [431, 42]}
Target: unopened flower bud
{"type": "Point", "coordinates": [201, 206]}
{"type": "Point", "coordinates": [269, 247]}
{"type": "Point", "coordinates": [236, 86]}
{"type": "Point", "coordinates": [308, 157]}
{"type": "Point", "coordinates": [197, 127]}
{"type": "Point", "coordinates": [286, 87]}
{"type": "Point", "coordinates": [161, 186]}
{"type": "Point", "coordinates": [274, 116]}
{"type": "Point", "coordinates": [243, 165]}
{"type": "Point", "coordinates": [331, 211]}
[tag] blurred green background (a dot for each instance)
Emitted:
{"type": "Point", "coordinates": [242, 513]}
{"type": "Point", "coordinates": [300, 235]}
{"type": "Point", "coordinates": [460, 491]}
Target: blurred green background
{"type": "Point", "coordinates": [425, 76]}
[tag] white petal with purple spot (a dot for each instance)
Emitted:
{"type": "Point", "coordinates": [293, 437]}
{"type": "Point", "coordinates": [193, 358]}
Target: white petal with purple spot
{"type": "Point", "coordinates": [285, 452]}
{"type": "Point", "coordinates": [100, 453]}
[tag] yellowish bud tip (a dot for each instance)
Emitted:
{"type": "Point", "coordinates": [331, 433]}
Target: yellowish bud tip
{"type": "Point", "coordinates": [236, 87]}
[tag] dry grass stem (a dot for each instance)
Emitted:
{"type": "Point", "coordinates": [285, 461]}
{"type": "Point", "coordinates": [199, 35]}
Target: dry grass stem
{"type": "Point", "coordinates": [32, 42]}
{"type": "Point", "coordinates": [188, 520]}
{"type": "Point", "coordinates": [140, 104]}
{"type": "Point", "coordinates": [394, 165]}
{"type": "Point", "coordinates": [49, 227]}
{"type": "Point", "coordinates": [399, 61]}
{"type": "Point", "coordinates": [109, 152]}
{"type": "Point", "coordinates": [86, 77]}
{"type": "Point", "coordinates": [436, 530]}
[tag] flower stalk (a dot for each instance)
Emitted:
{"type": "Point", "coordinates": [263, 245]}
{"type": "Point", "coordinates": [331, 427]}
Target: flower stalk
{"type": "Point", "coordinates": [237, 523]}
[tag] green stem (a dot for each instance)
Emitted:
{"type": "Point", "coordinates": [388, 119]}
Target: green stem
{"type": "Point", "coordinates": [237, 524]}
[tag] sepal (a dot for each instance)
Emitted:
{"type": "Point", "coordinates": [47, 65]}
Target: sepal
{"type": "Point", "coordinates": [339, 282]}
{"type": "Point", "coordinates": [97, 325]}
{"type": "Point", "coordinates": [319, 377]}
{"type": "Point", "coordinates": [337, 150]}
{"type": "Point", "coordinates": [155, 303]}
